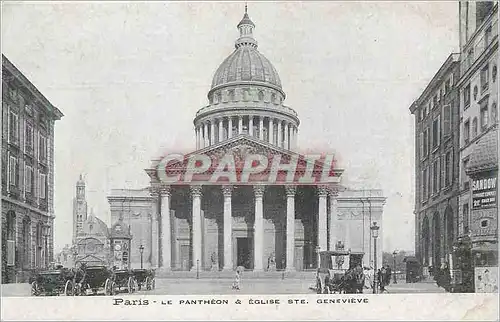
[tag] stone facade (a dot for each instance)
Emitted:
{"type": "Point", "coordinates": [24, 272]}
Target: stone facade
{"type": "Point", "coordinates": [28, 120]}
{"type": "Point", "coordinates": [437, 121]}
{"type": "Point", "coordinates": [259, 227]}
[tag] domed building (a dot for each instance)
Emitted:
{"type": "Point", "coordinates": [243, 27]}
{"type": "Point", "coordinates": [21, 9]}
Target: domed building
{"type": "Point", "coordinates": [273, 227]}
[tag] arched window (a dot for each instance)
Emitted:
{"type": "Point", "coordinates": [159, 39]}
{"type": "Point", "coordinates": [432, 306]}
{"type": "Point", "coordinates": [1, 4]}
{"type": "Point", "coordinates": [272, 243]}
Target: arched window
{"type": "Point", "coordinates": [246, 95]}
{"type": "Point", "coordinates": [273, 98]}
{"type": "Point", "coordinates": [474, 127]}
{"type": "Point", "coordinates": [261, 95]}
{"type": "Point", "coordinates": [231, 95]}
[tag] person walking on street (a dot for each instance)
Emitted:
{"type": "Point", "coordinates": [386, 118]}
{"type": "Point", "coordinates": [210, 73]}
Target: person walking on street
{"type": "Point", "coordinates": [237, 279]}
{"type": "Point", "coordinates": [388, 275]}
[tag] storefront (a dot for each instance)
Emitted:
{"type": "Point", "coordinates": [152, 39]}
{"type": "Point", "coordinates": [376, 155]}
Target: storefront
{"type": "Point", "coordinates": [483, 171]}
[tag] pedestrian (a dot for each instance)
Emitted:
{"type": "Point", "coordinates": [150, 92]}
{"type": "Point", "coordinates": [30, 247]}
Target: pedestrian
{"type": "Point", "coordinates": [388, 275]}
{"type": "Point", "coordinates": [237, 280]}
{"type": "Point", "coordinates": [381, 280]}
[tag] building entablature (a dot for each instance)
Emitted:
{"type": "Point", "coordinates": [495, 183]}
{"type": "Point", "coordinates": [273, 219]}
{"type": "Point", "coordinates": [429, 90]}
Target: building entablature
{"type": "Point", "coordinates": [214, 113]}
{"type": "Point", "coordinates": [249, 90]}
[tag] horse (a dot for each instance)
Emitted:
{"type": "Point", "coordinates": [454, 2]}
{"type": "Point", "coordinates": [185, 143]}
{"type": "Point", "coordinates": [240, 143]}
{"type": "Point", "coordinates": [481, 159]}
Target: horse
{"type": "Point", "coordinates": [354, 280]}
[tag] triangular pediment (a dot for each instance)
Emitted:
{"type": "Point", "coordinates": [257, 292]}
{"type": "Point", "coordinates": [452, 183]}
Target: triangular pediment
{"type": "Point", "coordinates": [240, 147]}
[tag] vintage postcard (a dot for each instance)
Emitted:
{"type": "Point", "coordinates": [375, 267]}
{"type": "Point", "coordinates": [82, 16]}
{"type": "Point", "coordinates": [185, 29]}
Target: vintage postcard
{"type": "Point", "coordinates": [249, 160]}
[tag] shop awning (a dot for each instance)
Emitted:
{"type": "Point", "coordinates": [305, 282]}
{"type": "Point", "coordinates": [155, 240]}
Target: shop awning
{"type": "Point", "coordinates": [484, 156]}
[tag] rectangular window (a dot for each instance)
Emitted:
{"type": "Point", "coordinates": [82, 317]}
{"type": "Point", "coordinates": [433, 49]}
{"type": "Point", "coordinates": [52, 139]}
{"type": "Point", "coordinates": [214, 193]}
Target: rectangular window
{"type": "Point", "coordinates": [28, 142]}
{"type": "Point", "coordinates": [466, 96]}
{"type": "Point", "coordinates": [447, 120]}
{"type": "Point", "coordinates": [13, 128]}
{"type": "Point", "coordinates": [435, 101]}
{"type": "Point", "coordinates": [447, 86]}
{"type": "Point", "coordinates": [447, 169]}
{"type": "Point", "coordinates": [42, 148]}
{"type": "Point", "coordinates": [424, 184]}
{"type": "Point", "coordinates": [487, 37]}
{"type": "Point", "coordinates": [29, 180]}
{"type": "Point", "coordinates": [465, 177]}
{"type": "Point", "coordinates": [470, 57]}
{"type": "Point", "coordinates": [436, 134]}
{"type": "Point", "coordinates": [435, 176]}
{"type": "Point", "coordinates": [485, 77]}
{"type": "Point", "coordinates": [43, 186]}
{"type": "Point", "coordinates": [13, 171]}
{"type": "Point", "coordinates": [484, 115]}
{"type": "Point", "coordinates": [421, 142]}
{"type": "Point", "coordinates": [466, 131]}
{"type": "Point", "coordinates": [465, 212]}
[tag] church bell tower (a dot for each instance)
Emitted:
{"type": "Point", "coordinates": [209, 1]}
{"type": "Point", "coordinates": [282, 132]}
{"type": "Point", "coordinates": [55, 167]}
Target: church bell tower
{"type": "Point", "coordinates": [79, 208]}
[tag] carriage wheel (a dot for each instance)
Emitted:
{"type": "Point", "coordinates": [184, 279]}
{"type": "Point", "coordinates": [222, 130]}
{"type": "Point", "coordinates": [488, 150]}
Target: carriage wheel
{"type": "Point", "coordinates": [69, 288]}
{"type": "Point", "coordinates": [148, 283]}
{"type": "Point", "coordinates": [108, 287]}
{"type": "Point", "coordinates": [35, 290]}
{"type": "Point", "coordinates": [131, 285]}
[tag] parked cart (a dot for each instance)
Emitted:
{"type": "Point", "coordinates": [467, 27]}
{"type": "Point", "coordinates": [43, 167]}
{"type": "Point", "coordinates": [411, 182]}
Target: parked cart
{"type": "Point", "coordinates": [52, 282]}
{"type": "Point", "coordinates": [145, 278]}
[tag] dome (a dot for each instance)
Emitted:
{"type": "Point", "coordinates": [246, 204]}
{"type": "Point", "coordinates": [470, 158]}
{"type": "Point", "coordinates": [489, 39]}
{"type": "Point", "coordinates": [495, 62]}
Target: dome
{"type": "Point", "coordinates": [246, 63]}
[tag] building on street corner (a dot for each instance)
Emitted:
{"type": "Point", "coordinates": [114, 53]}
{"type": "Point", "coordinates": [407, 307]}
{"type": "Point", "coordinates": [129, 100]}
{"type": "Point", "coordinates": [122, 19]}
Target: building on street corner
{"type": "Point", "coordinates": [437, 167]}
{"type": "Point", "coordinates": [478, 88]}
{"type": "Point", "coordinates": [28, 120]}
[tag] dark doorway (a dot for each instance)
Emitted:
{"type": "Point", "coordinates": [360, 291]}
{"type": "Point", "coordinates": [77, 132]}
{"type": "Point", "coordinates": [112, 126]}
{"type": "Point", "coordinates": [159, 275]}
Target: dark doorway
{"type": "Point", "coordinates": [243, 252]}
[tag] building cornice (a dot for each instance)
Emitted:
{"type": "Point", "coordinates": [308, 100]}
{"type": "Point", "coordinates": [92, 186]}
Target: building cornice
{"type": "Point", "coordinates": [31, 208]}
{"type": "Point", "coordinates": [445, 68]}
{"type": "Point", "coordinates": [54, 111]}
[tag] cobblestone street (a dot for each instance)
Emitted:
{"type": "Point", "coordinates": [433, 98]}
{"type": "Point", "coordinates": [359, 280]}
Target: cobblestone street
{"type": "Point", "coordinates": [252, 286]}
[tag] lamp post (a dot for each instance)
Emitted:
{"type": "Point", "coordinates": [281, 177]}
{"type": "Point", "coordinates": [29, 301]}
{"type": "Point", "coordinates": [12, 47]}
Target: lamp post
{"type": "Point", "coordinates": [374, 229]}
{"type": "Point", "coordinates": [141, 250]}
{"type": "Point", "coordinates": [394, 253]}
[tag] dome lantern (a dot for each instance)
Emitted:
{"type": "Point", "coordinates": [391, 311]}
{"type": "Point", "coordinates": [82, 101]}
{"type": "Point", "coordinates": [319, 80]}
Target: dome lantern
{"type": "Point", "coordinates": [245, 27]}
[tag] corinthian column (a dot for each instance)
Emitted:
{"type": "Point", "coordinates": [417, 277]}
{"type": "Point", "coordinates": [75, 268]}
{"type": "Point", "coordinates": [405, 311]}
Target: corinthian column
{"type": "Point", "coordinates": [230, 127]}
{"type": "Point", "coordinates": [205, 135]}
{"type": "Point", "coordinates": [240, 124]}
{"type": "Point", "coordinates": [280, 139]}
{"type": "Point", "coordinates": [285, 144]}
{"type": "Point", "coordinates": [154, 231]}
{"type": "Point", "coordinates": [221, 129]}
{"type": "Point", "coordinates": [322, 219]}
{"type": "Point", "coordinates": [258, 231]}
{"type": "Point", "coordinates": [333, 218]}
{"type": "Point", "coordinates": [261, 128]}
{"type": "Point", "coordinates": [271, 130]}
{"type": "Point", "coordinates": [196, 195]}
{"type": "Point", "coordinates": [250, 125]}
{"type": "Point", "coordinates": [166, 250]}
{"type": "Point", "coordinates": [228, 228]}
{"type": "Point", "coordinates": [290, 227]}
{"type": "Point", "coordinates": [212, 132]}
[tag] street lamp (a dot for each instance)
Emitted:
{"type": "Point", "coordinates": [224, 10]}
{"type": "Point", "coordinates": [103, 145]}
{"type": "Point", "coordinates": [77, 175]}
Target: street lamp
{"type": "Point", "coordinates": [141, 250]}
{"type": "Point", "coordinates": [374, 229]}
{"type": "Point", "coordinates": [394, 253]}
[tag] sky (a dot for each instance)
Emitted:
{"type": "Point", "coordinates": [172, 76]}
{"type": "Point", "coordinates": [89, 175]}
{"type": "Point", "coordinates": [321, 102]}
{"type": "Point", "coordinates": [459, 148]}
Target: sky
{"type": "Point", "coordinates": [129, 78]}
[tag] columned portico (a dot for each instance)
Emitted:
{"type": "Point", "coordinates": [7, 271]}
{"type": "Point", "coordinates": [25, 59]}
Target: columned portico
{"type": "Point", "coordinates": [197, 226]}
{"type": "Point", "coordinates": [290, 227]}
{"type": "Point", "coordinates": [322, 218]}
{"type": "Point", "coordinates": [165, 194]}
{"type": "Point", "coordinates": [259, 228]}
{"type": "Point", "coordinates": [228, 227]}
{"type": "Point", "coordinates": [333, 218]}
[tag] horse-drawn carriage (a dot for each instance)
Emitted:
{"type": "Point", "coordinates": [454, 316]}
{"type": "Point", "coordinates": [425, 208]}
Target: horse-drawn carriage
{"type": "Point", "coordinates": [145, 278]}
{"type": "Point", "coordinates": [52, 282]}
{"type": "Point", "coordinates": [124, 278]}
{"type": "Point", "coordinates": [93, 278]}
{"type": "Point", "coordinates": [336, 275]}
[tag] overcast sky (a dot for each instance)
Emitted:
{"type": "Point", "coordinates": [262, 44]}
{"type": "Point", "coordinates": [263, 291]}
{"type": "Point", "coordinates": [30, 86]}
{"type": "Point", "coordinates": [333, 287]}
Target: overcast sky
{"type": "Point", "coordinates": [130, 77]}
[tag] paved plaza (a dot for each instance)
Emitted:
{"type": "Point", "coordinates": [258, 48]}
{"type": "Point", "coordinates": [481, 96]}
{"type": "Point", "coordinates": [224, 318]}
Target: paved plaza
{"type": "Point", "coordinates": [251, 286]}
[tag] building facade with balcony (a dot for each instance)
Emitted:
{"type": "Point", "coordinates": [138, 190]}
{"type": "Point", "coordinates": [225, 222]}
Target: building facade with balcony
{"type": "Point", "coordinates": [478, 90]}
{"type": "Point", "coordinates": [436, 166]}
{"type": "Point", "coordinates": [28, 120]}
